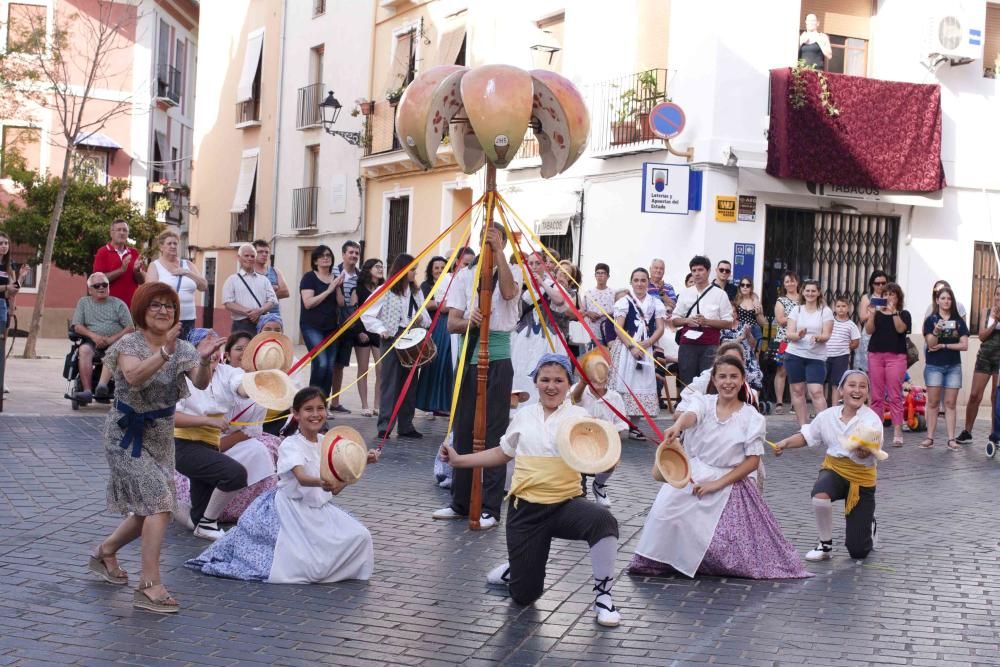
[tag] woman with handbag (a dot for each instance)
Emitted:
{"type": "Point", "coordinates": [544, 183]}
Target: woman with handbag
{"type": "Point", "coordinates": [788, 298]}
{"type": "Point", "coordinates": [888, 326]}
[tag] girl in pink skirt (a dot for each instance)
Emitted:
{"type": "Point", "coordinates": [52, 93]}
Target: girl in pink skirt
{"type": "Point", "coordinates": [718, 524]}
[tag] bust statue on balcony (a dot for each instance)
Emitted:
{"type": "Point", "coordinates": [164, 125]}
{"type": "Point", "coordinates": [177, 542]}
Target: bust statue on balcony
{"type": "Point", "coordinates": [814, 46]}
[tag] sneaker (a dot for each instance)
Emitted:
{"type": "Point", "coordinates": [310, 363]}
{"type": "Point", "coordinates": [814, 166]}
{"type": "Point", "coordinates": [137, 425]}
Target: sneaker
{"type": "Point", "coordinates": [500, 575]}
{"type": "Point", "coordinates": [412, 435]}
{"type": "Point", "coordinates": [601, 494]}
{"type": "Point", "coordinates": [609, 618]}
{"type": "Point", "coordinates": [339, 408]}
{"type": "Point", "coordinates": [874, 534]}
{"type": "Point", "coordinates": [208, 530]}
{"type": "Point", "coordinates": [102, 392]}
{"type": "Point", "coordinates": [964, 438]}
{"type": "Point", "coordinates": [823, 551]}
{"type": "Point", "coordinates": [487, 521]}
{"type": "Point", "coordinates": [445, 483]}
{"type": "Point", "coordinates": [446, 514]}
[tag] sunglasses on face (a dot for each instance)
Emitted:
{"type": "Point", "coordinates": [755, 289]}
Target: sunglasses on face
{"type": "Point", "coordinates": [745, 285]}
{"type": "Point", "coordinates": [100, 286]}
{"type": "Point", "coordinates": [880, 283]}
{"type": "Point", "coordinates": [724, 270]}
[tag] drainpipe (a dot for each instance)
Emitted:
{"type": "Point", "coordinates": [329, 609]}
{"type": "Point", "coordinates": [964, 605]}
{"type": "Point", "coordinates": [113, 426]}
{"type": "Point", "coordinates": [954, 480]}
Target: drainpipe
{"type": "Point", "coordinates": [362, 187]}
{"type": "Point", "coordinates": [277, 133]}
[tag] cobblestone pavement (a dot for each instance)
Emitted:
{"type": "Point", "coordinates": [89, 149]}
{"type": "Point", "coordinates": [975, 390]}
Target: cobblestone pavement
{"type": "Point", "coordinates": [926, 597]}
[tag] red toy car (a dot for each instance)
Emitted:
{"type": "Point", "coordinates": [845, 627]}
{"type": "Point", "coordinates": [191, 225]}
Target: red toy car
{"type": "Point", "coordinates": [914, 408]}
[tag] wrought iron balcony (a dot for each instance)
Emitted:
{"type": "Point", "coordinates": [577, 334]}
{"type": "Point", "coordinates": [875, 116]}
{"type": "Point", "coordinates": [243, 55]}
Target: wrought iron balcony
{"type": "Point", "coordinates": [241, 226]}
{"type": "Point", "coordinates": [620, 109]}
{"type": "Point", "coordinates": [168, 83]}
{"type": "Point", "coordinates": [308, 108]}
{"type": "Point", "coordinates": [248, 112]}
{"type": "Point", "coordinates": [305, 208]}
{"type": "Point", "coordinates": [380, 131]}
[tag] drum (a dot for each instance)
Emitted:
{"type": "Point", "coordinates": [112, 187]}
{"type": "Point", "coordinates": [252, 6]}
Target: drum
{"type": "Point", "coordinates": [409, 346]}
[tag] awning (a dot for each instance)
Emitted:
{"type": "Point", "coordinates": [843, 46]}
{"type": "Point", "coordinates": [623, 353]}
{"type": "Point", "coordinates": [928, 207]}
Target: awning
{"type": "Point", "coordinates": [752, 181]}
{"type": "Point", "coordinates": [248, 174]}
{"type": "Point", "coordinates": [553, 225]}
{"type": "Point", "coordinates": [400, 65]}
{"type": "Point", "coordinates": [450, 40]}
{"type": "Point", "coordinates": [251, 60]}
{"type": "Point", "coordinates": [97, 140]}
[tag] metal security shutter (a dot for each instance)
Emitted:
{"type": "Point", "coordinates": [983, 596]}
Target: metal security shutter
{"type": "Point", "coordinates": [399, 214]}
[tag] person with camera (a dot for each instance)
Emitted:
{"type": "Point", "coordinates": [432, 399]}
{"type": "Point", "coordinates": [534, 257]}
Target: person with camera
{"type": "Point", "coordinates": [888, 324]}
{"type": "Point", "coordinates": [947, 336]}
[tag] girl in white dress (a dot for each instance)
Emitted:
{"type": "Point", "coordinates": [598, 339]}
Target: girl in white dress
{"type": "Point", "coordinates": [295, 534]}
{"type": "Point", "coordinates": [718, 524]}
{"type": "Point", "coordinates": [644, 318]}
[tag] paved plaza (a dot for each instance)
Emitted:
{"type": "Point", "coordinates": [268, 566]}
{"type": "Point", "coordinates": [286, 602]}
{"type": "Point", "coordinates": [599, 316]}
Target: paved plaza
{"type": "Point", "coordinates": [926, 597]}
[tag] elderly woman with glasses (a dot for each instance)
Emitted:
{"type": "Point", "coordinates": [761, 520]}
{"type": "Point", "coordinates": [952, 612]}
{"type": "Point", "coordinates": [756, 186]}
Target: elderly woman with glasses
{"type": "Point", "coordinates": [151, 368]}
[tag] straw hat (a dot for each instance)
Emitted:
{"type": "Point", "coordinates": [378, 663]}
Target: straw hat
{"type": "Point", "coordinates": [865, 436]}
{"type": "Point", "coordinates": [343, 455]}
{"type": "Point", "coordinates": [271, 388]}
{"type": "Point", "coordinates": [671, 465]}
{"type": "Point", "coordinates": [596, 365]}
{"type": "Point", "coordinates": [266, 351]}
{"type": "Point", "coordinates": [589, 445]}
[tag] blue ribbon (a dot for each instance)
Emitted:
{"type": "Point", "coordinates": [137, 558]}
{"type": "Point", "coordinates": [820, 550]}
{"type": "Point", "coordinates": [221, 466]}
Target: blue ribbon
{"type": "Point", "coordinates": [134, 423]}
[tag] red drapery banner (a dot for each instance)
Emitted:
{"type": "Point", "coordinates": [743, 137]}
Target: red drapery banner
{"type": "Point", "coordinates": [886, 136]}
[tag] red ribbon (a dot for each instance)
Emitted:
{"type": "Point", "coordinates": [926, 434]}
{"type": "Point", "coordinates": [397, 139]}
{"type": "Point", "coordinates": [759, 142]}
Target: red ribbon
{"type": "Point", "coordinates": [329, 457]}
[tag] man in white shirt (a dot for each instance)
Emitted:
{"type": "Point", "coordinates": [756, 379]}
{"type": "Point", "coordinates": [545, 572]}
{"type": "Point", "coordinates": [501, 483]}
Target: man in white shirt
{"type": "Point", "coordinates": [702, 312]}
{"type": "Point", "coordinates": [247, 294]}
{"type": "Point", "coordinates": [505, 311]}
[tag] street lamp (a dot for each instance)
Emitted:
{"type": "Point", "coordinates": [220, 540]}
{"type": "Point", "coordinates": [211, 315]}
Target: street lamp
{"type": "Point", "coordinates": [330, 111]}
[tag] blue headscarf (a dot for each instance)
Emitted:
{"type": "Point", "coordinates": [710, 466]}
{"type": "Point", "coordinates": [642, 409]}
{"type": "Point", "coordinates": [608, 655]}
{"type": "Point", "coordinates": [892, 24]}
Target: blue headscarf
{"type": "Point", "coordinates": [270, 317]}
{"type": "Point", "coordinates": [195, 336]}
{"type": "Point", "coordinates": [552, 358]}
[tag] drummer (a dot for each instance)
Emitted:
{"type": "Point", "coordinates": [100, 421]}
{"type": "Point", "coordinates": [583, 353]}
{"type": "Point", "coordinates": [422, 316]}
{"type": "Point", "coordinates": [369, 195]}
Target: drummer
{"type": "Point", "coordinates": [388, 317]}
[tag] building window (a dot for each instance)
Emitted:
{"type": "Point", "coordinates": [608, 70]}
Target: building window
{"type": "Point", "coordinates": [22, 144]}
{"type": "Point", "coordinates": [985, 278]}
{"type": "Point", "coordinates": [26, 28]}
{"type": "Point", "coordinates": [248, 89]}
{"type": "Point", "coordinates": [399, 218]}
{"type": "Point", "coordinates": [848, 25]}
{"type": "Point", "coordinates": [19, 256]}
{"type": "Point", "coordinates": [991, 46]}
{"type": "Point", "coordinates": [319, 7]}
{"type": "Point", "coordinates": [244, 206]}
{"type": "Point", "coordinates": [404, 64]}
{"type": "Point", "coordinates": [546, 52]}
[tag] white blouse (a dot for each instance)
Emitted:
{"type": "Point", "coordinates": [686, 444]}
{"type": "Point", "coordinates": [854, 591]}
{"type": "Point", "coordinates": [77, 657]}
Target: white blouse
{"type": "Point", "coordinates": [295, 450]}
{"type": "Point", "coordinates": [531, 434]}
{"type": "Point", "coordinates": [598, 409]}
{"type": "Point", "coordinates": [723, 444]}
{"type": "Point", "coordinates": [650, 308]}
{"type": "Point", "coordinates": [828, 428]}
{"type": "Point", "coordinates": [218, 398]}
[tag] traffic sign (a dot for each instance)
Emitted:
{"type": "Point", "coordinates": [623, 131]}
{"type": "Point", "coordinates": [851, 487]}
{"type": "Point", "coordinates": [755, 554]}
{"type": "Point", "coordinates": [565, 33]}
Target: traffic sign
{"type": "Point", "coordinates": [666, 120]}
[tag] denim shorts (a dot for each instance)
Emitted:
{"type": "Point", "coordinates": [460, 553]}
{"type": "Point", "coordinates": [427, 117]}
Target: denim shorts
{"type": "Point", "coordinates": [949, 377]}
{"type": "Point", "coordinates": [801, 369]}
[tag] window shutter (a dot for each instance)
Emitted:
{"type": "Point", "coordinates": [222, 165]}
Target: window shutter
{"type": "Point", "coordinates": [248, 173]}
{"type": "Point", "coordinates": [251, 59]}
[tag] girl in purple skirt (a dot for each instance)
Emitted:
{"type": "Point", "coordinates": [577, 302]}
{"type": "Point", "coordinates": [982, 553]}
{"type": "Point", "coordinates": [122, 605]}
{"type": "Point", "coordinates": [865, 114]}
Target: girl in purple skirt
{"type": "Point", "coordinates": [718, 524]}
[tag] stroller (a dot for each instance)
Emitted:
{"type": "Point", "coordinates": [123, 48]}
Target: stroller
{"type": "Point", "coordinates": [71, 372]}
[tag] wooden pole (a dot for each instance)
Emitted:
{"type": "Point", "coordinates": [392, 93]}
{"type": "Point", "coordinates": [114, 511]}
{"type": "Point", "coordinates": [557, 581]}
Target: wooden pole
{"type": "Point", "coordinates": [483, 361]}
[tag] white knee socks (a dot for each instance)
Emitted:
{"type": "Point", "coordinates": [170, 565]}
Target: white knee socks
{"type": "Point", "coordinates": [216, 504]}
{"type": "Point", "coordinates": [824, 518]}
{"type": "Point", "coordinates": [602, 561]}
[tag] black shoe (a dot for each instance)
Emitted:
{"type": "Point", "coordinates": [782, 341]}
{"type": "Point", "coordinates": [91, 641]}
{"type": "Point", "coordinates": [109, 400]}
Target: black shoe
{"type": "Point", "coordinates": [83, 397]}
{"type": "Point", "coordinates": [340, 408]}
{"type": "Point", "coordinates": [382, 435]}
{"type": "Point", "coordinates": [636, 434]}
{"type": "Point", "coordinates": [412, 435]}
{"type": "Point", "coordinates": [102, 393]}
{"type": "Point", "coordinates": [964, 438]}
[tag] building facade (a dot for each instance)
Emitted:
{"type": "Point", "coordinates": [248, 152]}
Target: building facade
{"type": "Point", "coordinates": [149, 143]}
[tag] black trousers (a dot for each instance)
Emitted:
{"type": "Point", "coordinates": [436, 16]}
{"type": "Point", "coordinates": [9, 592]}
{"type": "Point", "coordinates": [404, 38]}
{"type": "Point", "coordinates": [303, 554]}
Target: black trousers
{"type": "Point", "coordinates": [693, 359]}
{"type": "Point", "coordinates": [530, 529]}
{"type": "Point", "coordinates": [858, 533]}
{"type": "Point", "coordinates": [499, 381]}
{"type": "Point", "coordinates": [208, 469]}
{"type": "Point", "coordinates": [393, 376]}
{"type": "Point", "coordinates": [244, 325]}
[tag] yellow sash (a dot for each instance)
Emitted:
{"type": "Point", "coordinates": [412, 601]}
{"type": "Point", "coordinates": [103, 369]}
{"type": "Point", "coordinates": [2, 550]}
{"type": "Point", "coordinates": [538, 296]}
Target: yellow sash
{"type": "Point", "coordinates": [207, 434]}
{"type": "Point", "coordinates": [545, 480]}
{"type": "Point", "coordinates": [858, 475]}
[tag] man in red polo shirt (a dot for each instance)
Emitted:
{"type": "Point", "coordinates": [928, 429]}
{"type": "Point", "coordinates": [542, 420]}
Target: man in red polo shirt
{"type": "Point", "coordinates": [121, 264]}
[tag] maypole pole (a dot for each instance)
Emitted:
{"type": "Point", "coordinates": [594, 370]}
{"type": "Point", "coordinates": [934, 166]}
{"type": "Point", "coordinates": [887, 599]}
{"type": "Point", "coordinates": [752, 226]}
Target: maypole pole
{"type": "Point", "coordinates": [483, 361]}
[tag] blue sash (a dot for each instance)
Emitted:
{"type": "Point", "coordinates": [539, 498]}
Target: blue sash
{"type": "Point", "coordinates": [134, 423]}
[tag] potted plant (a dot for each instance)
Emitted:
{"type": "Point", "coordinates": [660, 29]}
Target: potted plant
{"type": "Point", "coordinates": [367, 107]}
{"type": "Point", "coordinates": [161, 207]}
{"type": "Point", "coordinates": [393, 94]}
{"type": "Point", "coordinates": [648, 96]}
{"type": "Point", "coordinates": [623, 129]}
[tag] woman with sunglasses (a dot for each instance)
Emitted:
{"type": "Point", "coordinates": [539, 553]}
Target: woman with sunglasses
{"type": "Point", "coordinates": [748, 308]}
{"type": "Point", "coordinates": [876, 290]}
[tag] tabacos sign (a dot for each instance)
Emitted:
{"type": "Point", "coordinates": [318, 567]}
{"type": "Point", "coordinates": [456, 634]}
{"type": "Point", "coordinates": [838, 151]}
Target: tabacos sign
{"type": "Point", "coordinates": [844, 191]}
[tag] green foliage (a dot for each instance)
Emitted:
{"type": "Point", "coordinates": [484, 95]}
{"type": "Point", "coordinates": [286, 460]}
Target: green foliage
{"type": "Point", "coordinates": [86, 218]}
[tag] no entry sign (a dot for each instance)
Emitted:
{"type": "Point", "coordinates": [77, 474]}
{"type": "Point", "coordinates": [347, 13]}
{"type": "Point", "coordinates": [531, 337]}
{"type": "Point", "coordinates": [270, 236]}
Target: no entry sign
{"type": "Point", "coordinates": [666, 120]}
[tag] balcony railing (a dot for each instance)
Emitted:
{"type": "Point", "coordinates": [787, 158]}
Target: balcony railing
{"type": "Point", "coordinates": [529, 147]}
{"type": "Point", "coordinates": [168, 83]}
{"type": "Point", "coordinates": [620, 110]}
{"type": "Point", "coordinates": [241, 226]}
{"type": "Point", "coordinates": [308, 110]}
{"type": "Point", "coordinates": [305, 208]}
{"type": "Point", "coordinates": [248, 112]}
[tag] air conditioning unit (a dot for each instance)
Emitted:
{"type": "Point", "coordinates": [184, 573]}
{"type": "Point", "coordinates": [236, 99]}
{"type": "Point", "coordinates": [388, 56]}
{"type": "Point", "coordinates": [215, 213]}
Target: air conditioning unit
{"type": "Point", "coordinates": [956, 35]}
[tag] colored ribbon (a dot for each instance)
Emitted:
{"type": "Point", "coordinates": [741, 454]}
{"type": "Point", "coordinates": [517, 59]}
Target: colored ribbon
{"type": "Point", "coordinates": [133, 424]}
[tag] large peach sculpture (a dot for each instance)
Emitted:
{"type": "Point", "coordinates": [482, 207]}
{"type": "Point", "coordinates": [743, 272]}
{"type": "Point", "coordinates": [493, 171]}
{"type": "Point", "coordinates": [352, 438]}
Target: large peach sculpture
{"type": "Point", "coordinates": [486, 111]}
